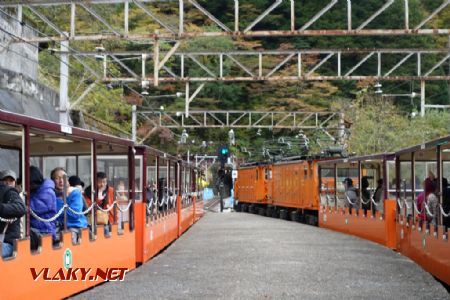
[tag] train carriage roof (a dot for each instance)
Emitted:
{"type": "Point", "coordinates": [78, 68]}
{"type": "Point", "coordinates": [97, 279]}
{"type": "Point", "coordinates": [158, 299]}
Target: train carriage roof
{"type": "Point", "coordinates": [427, 151]}
{"type": "Point", "coordinates": [354, 159]}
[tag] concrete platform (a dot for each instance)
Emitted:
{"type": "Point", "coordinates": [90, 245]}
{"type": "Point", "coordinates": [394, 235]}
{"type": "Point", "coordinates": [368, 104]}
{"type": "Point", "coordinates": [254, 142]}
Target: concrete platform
{"type": "Point", "coordinates": [244, 256]}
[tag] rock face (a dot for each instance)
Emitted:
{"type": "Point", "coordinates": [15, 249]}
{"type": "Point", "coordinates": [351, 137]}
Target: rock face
{"type": "Point", "coordinates": [20, 91]}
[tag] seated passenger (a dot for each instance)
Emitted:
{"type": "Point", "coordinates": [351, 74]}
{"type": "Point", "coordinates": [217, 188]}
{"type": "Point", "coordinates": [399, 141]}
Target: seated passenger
{"type": "Point", "coordinates": [420, 206]}
{"type": "Point", "coordinates": [75, 222]}
{"type": "Point", "coordinates": [427, 197]}
{"type": "Point", "coordinates": [365, 194]}
{"type": "Point", "coordinates": [121, 192]}
{"type": "Point", "coordinates": [11, 207]}
{"type": "Point", "coordinates": [105, 198]}
{"type": "Point", "coordinates": [351, 194]}
{"type": "Point", "coordinates": [432, 201]}
{"type": "Point", "coordinates": [378, 197]}
{"type": "Point", "coordinates": [42, 203]}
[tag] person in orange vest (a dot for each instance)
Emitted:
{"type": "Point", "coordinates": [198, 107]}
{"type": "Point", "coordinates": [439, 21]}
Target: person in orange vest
{"type": "Point", "coordinates": [105, 198]}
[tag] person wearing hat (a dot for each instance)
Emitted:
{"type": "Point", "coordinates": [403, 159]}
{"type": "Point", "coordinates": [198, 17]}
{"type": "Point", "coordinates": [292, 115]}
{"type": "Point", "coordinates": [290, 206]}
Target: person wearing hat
{"type": "Point", "coordinates": [351, 193]}
{"type": "Point", "coordinates": [12, 208]}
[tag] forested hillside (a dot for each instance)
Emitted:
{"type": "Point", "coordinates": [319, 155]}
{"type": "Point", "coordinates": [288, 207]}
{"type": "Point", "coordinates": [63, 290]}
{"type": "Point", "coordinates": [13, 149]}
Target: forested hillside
{"type": "Point", "coordinates": [377, 124]}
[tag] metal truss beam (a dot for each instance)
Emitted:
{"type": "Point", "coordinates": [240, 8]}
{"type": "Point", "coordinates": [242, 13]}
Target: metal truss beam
{"type": "Point", "coordinates": [295, 65]}
{"type": "Point", "coordinates": [244, 119]}
{"type": "Point", "coordinates": [404, 26]}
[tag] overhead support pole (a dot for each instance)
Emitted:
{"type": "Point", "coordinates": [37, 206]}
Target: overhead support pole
{"type": "Point", "coordinates": [143, 72]}
{"type": "Point", "coordinates": [419, 64]}
{"type": "Point", "coordinates": [182, 66]}
{"type": "Point", "coordinates": [260, 65]}
{"type": "Point", "coordinates": [221, 65]}
{"type": "Point", "coordinates": [64, 84]}
{"type": "Point", "coordinates": [125, 17]}
{"type": "Point", "coordinates": [379, 64]}
{"type": "Point", "coordinates": [292, 15]}
{"type": "Point", "coordinates": [20, 18]}
{"type": "Point", "coordinates": [181, 17]}
{"type": "Point", "coordinates": [376, 14]}
{"type": "Point", "coordinates": [156, 61]}
{"type": "Point", "coordinates": [319, 14]}
{"type": "Point", "coordinates": [299, 64]}
{"type": "Point", "coordinates": [186, 93]}
{"type": "Point", "coordinates": [73, 14]}
{"type": "Point", "coordinates": [48, 22]}
{"type": "Point", "coordinates": [20, 13]}
{"type": "Point", "coordinates": [236, 15]}
{"type": "Point", "coordinates": [105, 70]}
{"type": "Point", "coordinates": [133, 122]}
{"type": "Point", "coordinates": [407, 14]}
{"type": "Point", "coordinates": [153, 16]}
{"type": "Point", "coordinates": [422, 98]}
{"type": "Point", "coordinates": [349, 15]}
{"type": "Point", "coordinates": [209, 15]}
{"type": "Point", "coordinates": [264, 14]}
{"type": "Point", "coordinates": [438, 10]}
{"type": "Point", "coordinates": [339, 59]}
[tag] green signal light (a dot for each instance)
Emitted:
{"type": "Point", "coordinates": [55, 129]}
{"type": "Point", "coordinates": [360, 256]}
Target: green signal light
{"type": "Point", "coordinates": [224, 151]}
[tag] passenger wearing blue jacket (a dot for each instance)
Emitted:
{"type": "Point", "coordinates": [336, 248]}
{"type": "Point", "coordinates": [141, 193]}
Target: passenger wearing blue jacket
{"type": "Point", "coordinates": [75, 220]}
{"type": "Point", "coordinates": [42, 203]}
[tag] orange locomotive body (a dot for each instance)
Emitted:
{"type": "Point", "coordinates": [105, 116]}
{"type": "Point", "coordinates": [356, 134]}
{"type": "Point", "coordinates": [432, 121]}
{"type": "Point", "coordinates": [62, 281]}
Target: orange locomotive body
{"type": "Point", "coordinates": [290, 190]}
{"type": "Point", "coordinates": [251, 184]}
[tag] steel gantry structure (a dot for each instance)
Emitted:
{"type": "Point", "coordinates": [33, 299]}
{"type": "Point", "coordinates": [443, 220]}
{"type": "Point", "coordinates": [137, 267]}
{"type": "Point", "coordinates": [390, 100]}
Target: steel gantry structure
{"type": "Point", "coordinates": [239, 26]}
{"type": "Point", "coordinates": [227, 66]}
{"type": "Point", "coordinates": [245, 119]}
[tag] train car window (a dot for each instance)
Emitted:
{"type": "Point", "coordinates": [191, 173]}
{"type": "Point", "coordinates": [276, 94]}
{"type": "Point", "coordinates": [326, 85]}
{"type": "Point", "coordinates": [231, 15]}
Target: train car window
{"type": "Point", "coordinates": [69, 163]}
{"type": "Point", "coordinates": [152, 193]}
{"type": "Point", "coordinates": [113, 160]}
{"type": "Point", "coordinates": [139, 185]}
{"type": "Point", "coordinates": [256, 174]}
{"type": "Point", "coordinates": [446, 170]}
{"type": "Point", "coordinates": [151, 170]}
{"type": "Point", "coordinates": [326, 173]}
{"type": "Point", "coordinates": [391, 179]}
{"type": "Point", "coordinates": [172, 187]}
{"type": "Point", "coordinates": [305, 172]}
{"type": "Point", "coordinates": [84, 169]}
{"type": "Point", "coordinates": [406, 184]}
{"type": "Point", "coordinates": [10, 160]}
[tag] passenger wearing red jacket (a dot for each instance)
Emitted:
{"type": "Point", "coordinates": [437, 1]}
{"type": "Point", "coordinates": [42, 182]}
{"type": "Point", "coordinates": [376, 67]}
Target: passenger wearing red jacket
{"type": "Point", "coordinates": [105, 196]}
